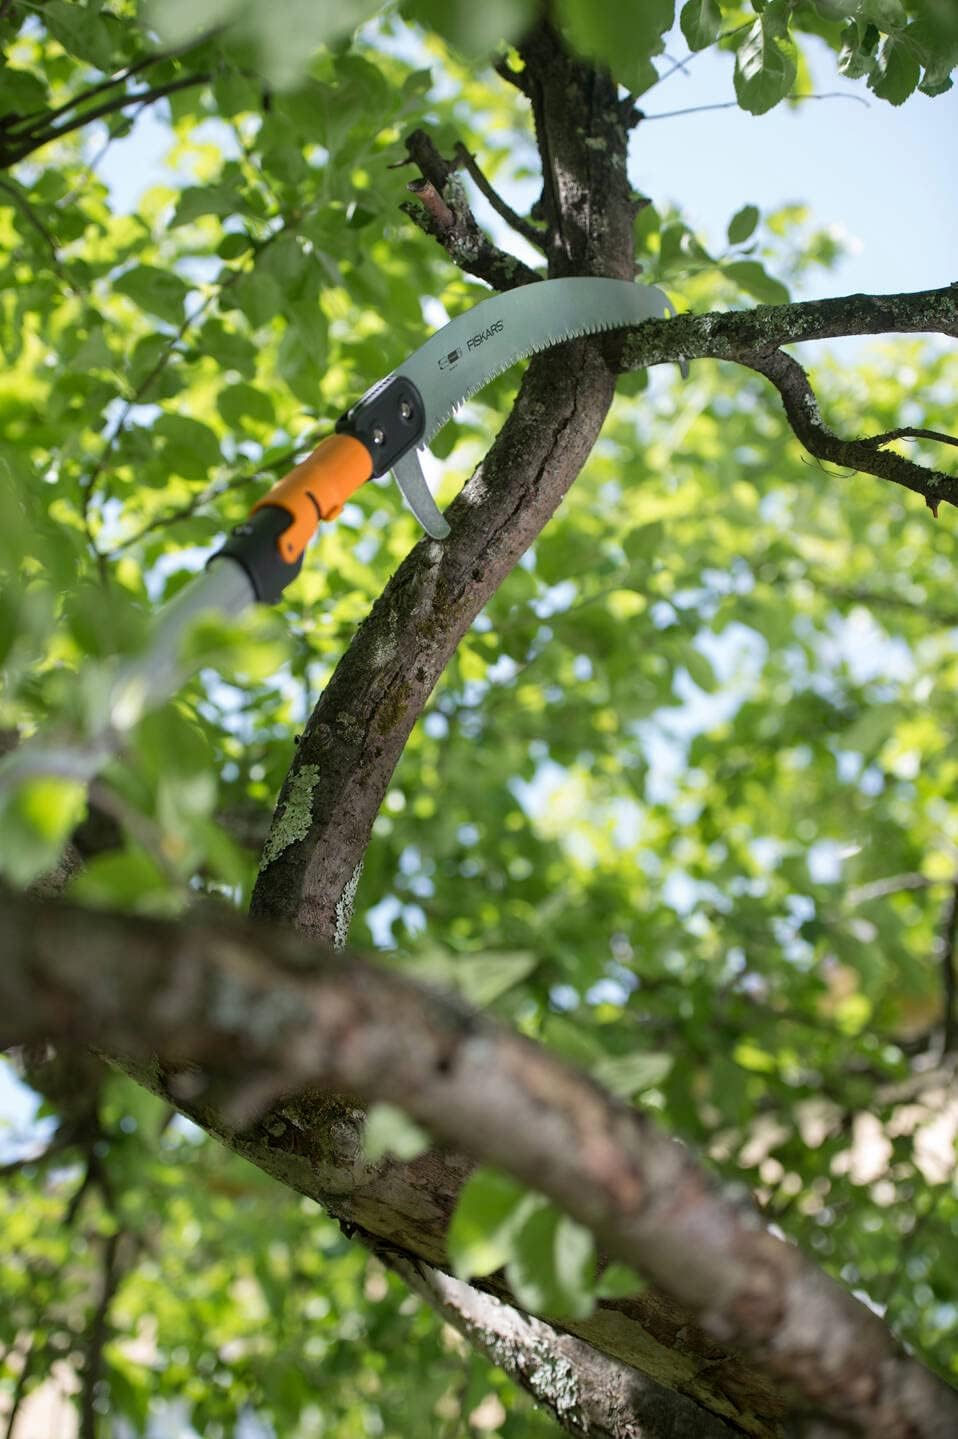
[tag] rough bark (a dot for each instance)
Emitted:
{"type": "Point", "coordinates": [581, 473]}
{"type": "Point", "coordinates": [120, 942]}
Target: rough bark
{"type": "Point", "coordinates": [588, 1394]}
{"type": "Point", "coordinates": [242, 1015]}
{"type": "Point", "coordinates": [357, 731]}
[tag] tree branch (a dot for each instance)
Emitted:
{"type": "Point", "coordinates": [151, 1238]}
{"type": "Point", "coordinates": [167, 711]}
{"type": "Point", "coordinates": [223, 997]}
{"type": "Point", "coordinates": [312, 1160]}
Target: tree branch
{"type": "Point", "coordinates": [522, 227]}
{"type": "Point", "coordinates": [804, 416]}
{"type": "Point", "coordinates": [444, 212]}
{"type": "Point", "coordinates": [588, 1393]}
{"type": "Point", "coordinates": [909, 433]}
{"type": "Point", "coordinates": [250, 1014]}
{"type": "Point", "coordinates": [35, 139]}
{"type": "Point", "coordinates": [946, 945]}
{"type": "Point", "coordinates": [753, 338]}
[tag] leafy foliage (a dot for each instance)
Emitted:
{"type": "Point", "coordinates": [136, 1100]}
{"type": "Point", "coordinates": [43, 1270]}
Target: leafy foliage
{"type": "Point", "coordinates": [684, 813]}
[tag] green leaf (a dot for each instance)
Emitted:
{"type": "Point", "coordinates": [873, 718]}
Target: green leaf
{"type": "Point", "coordinates": [159, 292]}
{"type": "Point", "coordinates": [259, 296]}
{"type": "Point", "coordinates": [479, 978]}
{"type": "Point", "coordinates": [701, 22]}
{"type": "Point", "coordinates": [239, 403]}
{"type": "Point", "coordinates": [624, 36]}
{"type": "Point", "coordinates": [81, 31]}
{"type": "Point", "coordinates": [754, 280]}
{"type": "Point", "coordinates": [629, 1074]}
{"type": "Point", "coordinates": [491, 1209]}
{"type": "Point", "coordinates": [764, 72]}
{"type": "Point", "coordinates": [473, 30]}
{"type": "Point", "coordinates": [896, 72]}
{"type": "Point", "coordinates": [37, 818]}
{"type": "Point", "coordinates": [552, 1269]}
{"type": "Point", "coordinates": [742, 224]}
{"type": "Point", "coordinates": [390, 1131]}
{"type": "Point", "coordinates": [886, 14]}
{"type": "Point", "coordinates": [191, 448]}
{"type": "Point", "coordinates": [233, 245]}
{"type": "Point", "coordinates": [618, 1281]}
{"type": "Point", "coordinates": [124, 879]}
{"type": "Point", "coordinates": [22, 93]}
{"type": "Point", "coordinates": [198, 200]}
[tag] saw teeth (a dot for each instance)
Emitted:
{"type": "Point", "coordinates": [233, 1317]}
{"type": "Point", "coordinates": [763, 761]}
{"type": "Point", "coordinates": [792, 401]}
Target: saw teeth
{"type": "Point", "coordinates": [576, 334]}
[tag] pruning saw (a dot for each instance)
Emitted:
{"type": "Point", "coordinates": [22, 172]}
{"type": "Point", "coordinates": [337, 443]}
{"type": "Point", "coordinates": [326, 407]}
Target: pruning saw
{"type": "Point", "coordinates": [384, 430]}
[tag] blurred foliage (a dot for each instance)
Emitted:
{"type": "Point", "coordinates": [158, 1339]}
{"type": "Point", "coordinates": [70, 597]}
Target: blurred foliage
{"type": "Point", "coordinates": [683, 808]}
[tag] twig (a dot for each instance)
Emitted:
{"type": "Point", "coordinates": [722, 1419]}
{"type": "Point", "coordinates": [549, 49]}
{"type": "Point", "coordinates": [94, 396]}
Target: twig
{"type": "Point", "coordinates": [945, 946]}
{"type": "Point", "coordinates": [97, 1337]}
{"type": "Point", "coordinates": [511, 77]}
{"type": "Point", "coordinates": [36, 141]}
{"type": "Point", "coordinates": [522, 227]}
{"type": "Point", "coordinates": [683, 64]}
{"type": "Point", "coordinates": [801, 408]}
{"type": "Point", "coordinates": [910, 433]}
{"type": "Point", "coordinates": [87, 486]}
{"type": "Point", "coordinates": [894, 884]}
{"type": "Point", "coordinates": [27, 210]}
{"type": "Point", "coordinates": [20, 1388]}
{"type": "Point", "coordinates": [206, 495]}
{"type": "Point", "coordinates": [734, 105]}
{"type": "Point", "coordinates": [443, 212]}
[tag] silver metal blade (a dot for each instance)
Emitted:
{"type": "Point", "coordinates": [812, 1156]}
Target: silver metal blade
{"type": "Point", "coordinates": [472, 349]}
{"type": "Point", "coordinates": [407, 472]}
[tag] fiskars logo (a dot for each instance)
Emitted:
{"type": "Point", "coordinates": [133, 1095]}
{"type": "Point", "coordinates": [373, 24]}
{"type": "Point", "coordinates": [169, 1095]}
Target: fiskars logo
{"type": "Point", "coordinates": [452, 357]}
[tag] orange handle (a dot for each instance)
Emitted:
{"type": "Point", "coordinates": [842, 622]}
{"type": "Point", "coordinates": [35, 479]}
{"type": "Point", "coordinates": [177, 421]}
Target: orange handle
{"type": "Point", "coordinates": [317, 490]}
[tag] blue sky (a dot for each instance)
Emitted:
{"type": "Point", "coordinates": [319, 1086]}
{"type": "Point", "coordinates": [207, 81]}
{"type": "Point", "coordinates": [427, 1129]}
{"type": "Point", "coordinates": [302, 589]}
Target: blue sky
{"type": "Point", "coordinates": [887, 175]}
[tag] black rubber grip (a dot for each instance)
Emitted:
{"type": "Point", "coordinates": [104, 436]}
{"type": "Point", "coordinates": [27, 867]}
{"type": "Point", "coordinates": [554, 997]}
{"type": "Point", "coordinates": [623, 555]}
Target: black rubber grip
{"type": "Point", "coordinates": [253, 544]}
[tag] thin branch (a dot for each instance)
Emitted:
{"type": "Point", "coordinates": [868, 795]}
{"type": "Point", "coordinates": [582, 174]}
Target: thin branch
{"type": "Point", "coordinates": [804, 416]}
{"type": "Point", "coordinates": [683, 63]}
{"type": "Point", "coordinates": [12, 155]}
{"type": "Point", "coordinates": [894, 884]}
{"type": "Point", "coordinates": [209, 494]}
{"type": "Point", "coordinates": [910, 433]}
{"type": "Point", "coordinates": [734, 105]}
{"type": "Point", "coordinates": [30, 214]}
{"type": "Point", "coordinates": [516, 78]}
{"type": "Point", "coordinates": [752, 338]}
{"type": "Point", "coordinates": [88, 484]}
{"type": "Point", "coordinates": [946, 945]}
{"type": "Point", "coordinates": [20, 1388]}
{"type": "Point", "coordinates": [97, 1337]}
{"type": "Point", "coordinates": [444, 213]}
{"type": "Point", "coordinates": [522, 227]}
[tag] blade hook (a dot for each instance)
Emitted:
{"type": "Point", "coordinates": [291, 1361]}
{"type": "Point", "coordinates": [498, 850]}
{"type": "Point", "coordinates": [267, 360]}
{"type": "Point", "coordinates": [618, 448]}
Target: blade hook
{"type": "Point", "coordinates": [407, 472]}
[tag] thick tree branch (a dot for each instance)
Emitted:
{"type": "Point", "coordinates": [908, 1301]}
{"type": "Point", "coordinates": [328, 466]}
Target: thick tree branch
{"type": "Point", "coordinates": [754, 337]}
{"type": "Point", "coordinates": [588, 1393]}
{"type": "Point", "coordinates": [248, 1014]}
{"type": "Point", "coordinates": [357, 732]}
{"type": "Point", "coordinates": [727, 335]}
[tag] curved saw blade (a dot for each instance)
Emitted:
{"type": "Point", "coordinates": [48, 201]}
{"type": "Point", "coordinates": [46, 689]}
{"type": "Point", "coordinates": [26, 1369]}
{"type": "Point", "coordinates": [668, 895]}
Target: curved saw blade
{"type": "Point", "coordinates": [458, 360]}
{"type": "Point", "coordinates": [472, 349]}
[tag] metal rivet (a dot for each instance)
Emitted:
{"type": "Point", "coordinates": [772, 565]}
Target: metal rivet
{"type": "Point", "coordinates": [405, 410]}
{"type": "Point", "coordinates": [379, 437]}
